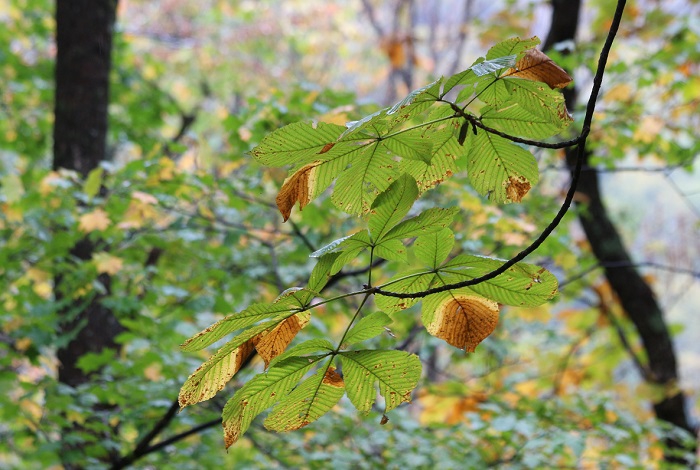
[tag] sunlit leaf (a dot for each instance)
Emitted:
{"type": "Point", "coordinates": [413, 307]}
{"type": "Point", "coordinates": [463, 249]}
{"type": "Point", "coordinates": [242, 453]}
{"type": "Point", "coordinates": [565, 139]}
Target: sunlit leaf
{"type": "Point", "coordinates": [397, 373]}
{"type": "Point", "coordinates": [463, 321]}
{"type": "Point", "coordinates": [500, 169]}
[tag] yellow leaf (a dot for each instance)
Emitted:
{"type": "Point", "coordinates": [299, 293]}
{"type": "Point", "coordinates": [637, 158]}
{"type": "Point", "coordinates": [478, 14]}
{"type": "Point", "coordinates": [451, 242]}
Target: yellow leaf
{"type": "Point", "coordinates": [272, 344]}
{"type": "Point", "coordinates": [648, 129]}
{"type": "Point", "coordinates": [298, 187]}
{"type": "Point", "coordinates": [536, 66]}
{"type": "Point", "coordinates": [620, 92]}
{"type": "Point", "coordinates": [152, 372]}
{"type": "Point", "coordinates": [144, 197]}
{"type": "Point", "coordinates": [464, 321]}
{"type": "Point", "coordinates": [107, 263]}
{"type": "Point", "coordinates": [95, 220]}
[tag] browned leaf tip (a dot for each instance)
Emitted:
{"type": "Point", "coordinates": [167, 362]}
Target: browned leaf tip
{"type": "Point", "coordinates": [536, 66]}
{"type": "Point", "coordinates": [517, 188]}
{"type": "Point", "coordinates": [464, 321]}
{"type": "Point", "coordinates": [332, 378]}
{"type": "Point", "coordinates": [298, 187]}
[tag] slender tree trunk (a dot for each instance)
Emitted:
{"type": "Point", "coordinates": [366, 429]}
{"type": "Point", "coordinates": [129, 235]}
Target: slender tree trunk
{"type": "Point", "coordinates": [635, 295]}
{"type": "Point", "coordinates": [84, 30]}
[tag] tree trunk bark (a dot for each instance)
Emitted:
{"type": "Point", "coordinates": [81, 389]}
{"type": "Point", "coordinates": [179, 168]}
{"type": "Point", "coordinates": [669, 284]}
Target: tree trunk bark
{"type": "Point", "coordinates": [84, 30]}
{"type": "Point", "coordinates": [634, 294]}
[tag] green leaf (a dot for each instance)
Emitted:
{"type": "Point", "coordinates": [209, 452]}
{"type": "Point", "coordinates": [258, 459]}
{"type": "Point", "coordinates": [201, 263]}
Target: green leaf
{"type": "Point", "coordinates": [321, 272]}
{"type": "Point", "coordinates": [368, 327]}
{"type": "Point", "coordinates": [391, 206]}
{"type": "Point", "coordinates": [296, 143]}
{"type": "Point", "coordinates": [433, 248]}
{"type": "Point", "coordinates": [414, 103]}
{"type": "Point", "coordinates": [304, 349]}
{"type": "Point", "coordinates": [309, 401]}
{"type": "Point", "coordinates": [261, 392]}
{"type": "Point", "coordinates": [392, 250]}
{"type": "Point", "coordinates": [428, 221]}
{"type": "Point", "coordinates": [445, 151]}
{"type": "Point", "coordinates": [237, 321]}
{"type": "Point", "coordinates": [371, 172]}
{"type": "Point", "coordinates": [500, 169]}
{"type": "Point", "coordinates": [466, 77]}
{"type": "Point", "coordinates": [215, 373]}
{"type": "Point", "coordinates": [331, 247]}
{"type": "Point", "coordinates": [514, 119]}
{"type": "Point", "coordinates": [396, 371]}
{"type": "Point", "coordinates": [93, 182]}
{"type": "Point", "coordinates": [493, 65]}
{"type": "Point", "coordinates": [408, 282]}
{"type": "Point", "coordinates": [410, 145]}
{"type": "Point", "coordinates": [521, 285]}
{"type": "Point", "coordinates": [512, 46]}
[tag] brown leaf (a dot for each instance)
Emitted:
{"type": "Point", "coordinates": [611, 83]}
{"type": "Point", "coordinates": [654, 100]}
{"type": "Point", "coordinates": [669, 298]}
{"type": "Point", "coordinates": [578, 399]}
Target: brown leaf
{"type": "Point", "coordinates": [273, 343]}
{"type": "Point", "coordinates": [298, 187]}
{"type": "Point", "coordinates": [536, 66]}
{"type": "Point", "coordinates": [333, 378]}
{"type": "Point", "coordinates": [464, 321]}
{"type": "Point", "coordinates": [326, 148]}
{"type": "Point", "coordinates": [517, 188]}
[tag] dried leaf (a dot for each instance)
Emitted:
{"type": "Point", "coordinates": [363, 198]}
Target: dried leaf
{"type": "Point", "coordinates": [95, 220]}
{"type": "Point", "coordinates": [517, 188]}
{"type": "Point", "coordinates": [272, 344]}
{"type": "Point", "coordinates": [464, 321]}
{"type": "Point", "coordinates": [536, 66]}
{"type": "Point", "coordinates": [298, 187]}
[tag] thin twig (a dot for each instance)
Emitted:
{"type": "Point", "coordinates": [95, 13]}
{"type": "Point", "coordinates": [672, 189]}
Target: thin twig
{"type": "Point", "coordinates": [590, 108]}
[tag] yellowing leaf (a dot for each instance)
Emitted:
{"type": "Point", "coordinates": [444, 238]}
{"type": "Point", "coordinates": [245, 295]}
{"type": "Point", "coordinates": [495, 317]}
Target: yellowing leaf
{"type": "Point", "coordinates": [274, 343]}
{"type": "Point", "coordinates": [298, 187]}
{"type": "Point", "coordinates": [107, 263]}
{"type": "Point", "coordinates": [214, 374]}
{"type": "Point", "coordinates": [463, 321]}
{"type": "Point", "coordinates": [308, 402]}
{"type": "Point", "coordinates": [95, 220]}
{"type": "Point", "coordinates": [648, 129]}
{"type": "Point", "coordinates": [536, 66]}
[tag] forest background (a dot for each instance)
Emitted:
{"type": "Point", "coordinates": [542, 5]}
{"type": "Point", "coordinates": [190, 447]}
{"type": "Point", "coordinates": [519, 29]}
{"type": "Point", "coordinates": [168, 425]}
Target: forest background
{"type": "Point", "coordinates": [144, 241]}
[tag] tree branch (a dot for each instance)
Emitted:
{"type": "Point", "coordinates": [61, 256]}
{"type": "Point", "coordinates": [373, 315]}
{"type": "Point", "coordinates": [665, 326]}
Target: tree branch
{"type": "Point", "coordinates": [581, 150]}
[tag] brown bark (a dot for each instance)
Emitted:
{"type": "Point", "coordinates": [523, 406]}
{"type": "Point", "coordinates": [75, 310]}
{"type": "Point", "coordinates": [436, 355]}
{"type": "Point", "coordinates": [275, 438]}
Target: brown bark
{"type": "Point", "coordinates": [634, 294]}
{"type": "Point", "coordinates": [84, 30]}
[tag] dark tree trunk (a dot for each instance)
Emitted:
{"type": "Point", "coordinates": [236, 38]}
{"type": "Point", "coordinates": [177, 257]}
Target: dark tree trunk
{"type": "Point", "coordinates": [635, 295]}
{"type": "Point", "coordinates": [84, 30]}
